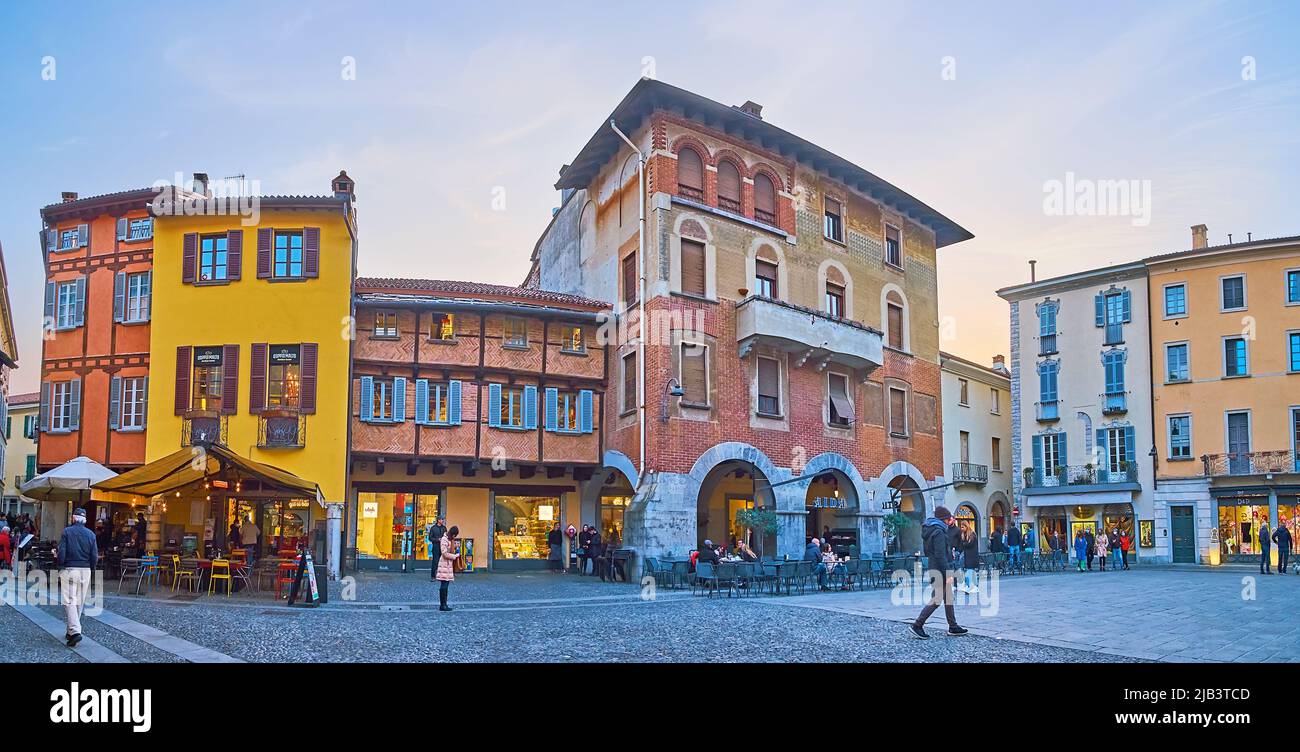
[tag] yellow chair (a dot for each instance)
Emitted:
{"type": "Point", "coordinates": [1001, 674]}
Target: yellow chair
{"type": "Point", "coordinates": [220, 571]}
{"type": "Point", "coordinates": [188, 571]}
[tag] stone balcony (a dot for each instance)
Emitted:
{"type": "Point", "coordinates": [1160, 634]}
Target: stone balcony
{"type": "Point", "coordinates": [815, 336]}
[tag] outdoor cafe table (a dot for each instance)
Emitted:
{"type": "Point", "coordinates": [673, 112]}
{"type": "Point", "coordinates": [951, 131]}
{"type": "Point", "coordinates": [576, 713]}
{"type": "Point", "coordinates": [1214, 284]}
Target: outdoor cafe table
{"type": "Point", "coordinates": [205, 574]}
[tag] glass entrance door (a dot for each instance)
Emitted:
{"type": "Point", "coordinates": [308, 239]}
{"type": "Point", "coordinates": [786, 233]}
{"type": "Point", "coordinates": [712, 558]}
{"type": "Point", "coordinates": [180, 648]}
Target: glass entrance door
{"type": "Point", "coordinates": [392, 529]}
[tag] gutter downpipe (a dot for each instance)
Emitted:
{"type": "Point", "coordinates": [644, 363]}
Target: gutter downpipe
{"type": "Point", "coordinates": [640, 262]}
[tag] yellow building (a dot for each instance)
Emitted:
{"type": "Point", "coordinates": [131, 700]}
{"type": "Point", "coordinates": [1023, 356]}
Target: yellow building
{"type": "Point", "coordinates": [1225, 338]}
{"type": "Point", "coordinates": [250, 350]}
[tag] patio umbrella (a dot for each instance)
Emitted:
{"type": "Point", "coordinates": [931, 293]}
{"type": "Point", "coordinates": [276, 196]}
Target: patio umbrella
{"type": "Point", "coordinates": [67, 483]}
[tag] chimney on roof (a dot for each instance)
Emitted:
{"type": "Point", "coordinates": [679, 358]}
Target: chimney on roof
{"type": "Point", "coordinates": [1033, 273]}
{"type": "Point", "coordinates": [751, 108]}
{"type": "Point", "coordinates": [69, 196]}
{"type": "Point", "coordinates": [201, 183]}
{"type": "Point", "coordinates": [344, 187]}
{"type": "Point", "coordinates": [1200, 237]}
{"type": "Point", "coordinates": [999, 361]}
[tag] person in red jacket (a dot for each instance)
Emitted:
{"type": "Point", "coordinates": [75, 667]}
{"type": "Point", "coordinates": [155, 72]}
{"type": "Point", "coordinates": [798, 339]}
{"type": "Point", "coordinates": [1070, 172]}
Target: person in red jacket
{"type": "Point", "coordinates": [5, 546]}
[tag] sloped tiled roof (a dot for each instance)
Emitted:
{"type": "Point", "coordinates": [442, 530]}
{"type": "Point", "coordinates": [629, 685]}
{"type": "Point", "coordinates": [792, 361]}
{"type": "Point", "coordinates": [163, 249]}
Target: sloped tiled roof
{"type": "Point", "coordinates": [474, 289]}
{"type": "Point", "coordinates": [1223, 247]}
{"type": "Point", "coordinates": [26, 398]}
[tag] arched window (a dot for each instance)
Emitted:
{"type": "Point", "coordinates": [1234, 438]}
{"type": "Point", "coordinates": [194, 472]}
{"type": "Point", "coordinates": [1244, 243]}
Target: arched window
{"type": "Point", "coordinates": [835, 293]}
{"type": "Point", "coordinates": [690, 174]}
{"type": "Point", "coordinates": [766, 273]}
{"type": "Point", "coordinates": [764, 199]}
{"type": "Point", "coordinates": [728, 187]}
{"type": "Point", "coordinates": [895, 320]}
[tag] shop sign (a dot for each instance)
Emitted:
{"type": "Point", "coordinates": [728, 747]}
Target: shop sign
{"type": "Point", "coordinates": [830, 502]}
{"type": "Point", "coordinates": [370, 510]}
{"type": "Point", "coordinates": [205, 357]}
{"type": "Point", "coordinates": [299, 503]}
{"type": "Point", "coordinates": [283, 355]}
{"type": "Point", "coordinates": [545, 512]}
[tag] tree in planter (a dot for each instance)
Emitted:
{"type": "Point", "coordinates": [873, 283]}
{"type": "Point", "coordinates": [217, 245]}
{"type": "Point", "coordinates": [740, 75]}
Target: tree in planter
{"type": "Point", "coordinates": [895, 524]}
{"type": "Point", "coordinates": [762, 522]}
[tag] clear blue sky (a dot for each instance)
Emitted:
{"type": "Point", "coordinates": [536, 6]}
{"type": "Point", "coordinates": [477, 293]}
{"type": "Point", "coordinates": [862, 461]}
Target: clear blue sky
{"type": "Point", "coordinates": [452, 101]}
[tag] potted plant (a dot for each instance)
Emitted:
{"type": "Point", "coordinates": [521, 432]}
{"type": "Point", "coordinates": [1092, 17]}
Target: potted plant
{"type": "Point", "coordinates": [762, 522]}
{"type": "Point", "coordinates": [1029, 477]}
{"type": "Point", "coordinates": [895, 523]}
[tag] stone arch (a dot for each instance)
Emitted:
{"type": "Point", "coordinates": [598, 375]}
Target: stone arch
{"type": "Point", "coordinates": [687, 140]}
{"type": "Point", "coordinates": [891, 472]}
{"type": "Point", "coordinates": [997, 512]}
{"type": "Point", "coordinates": [764, 168]}
{"type": "Point", "coordinates": [893, 293]}
{"type": "Point", "coordinates": [684, 217]}
{"type": "Point", "coordinates": [969, 511]}
{"type": "Point", "coordinates": [587, 232]}
{"type": "Point", "coordinates": [824, 274]}
{"type": "Point", "coordinates": [832, 461]}
{"type": "Point", "coordinates": [616, 460]}
{"type": "Point", "coordinates": [762, 244]}
{"type": "Point", "coordinates": [734, 450]}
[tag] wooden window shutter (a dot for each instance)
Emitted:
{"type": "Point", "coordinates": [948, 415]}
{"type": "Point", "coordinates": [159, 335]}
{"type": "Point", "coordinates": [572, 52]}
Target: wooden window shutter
{"type": "Point", "coordinates": [629, 382]}
{"type": "Point", "coordinates": [234, 254]}
{"type": "Point", "coordinates": [769, 377]}
{"type": "Point", "coordinates": [189, 253]}
{"type": "Point", "coordinates": [265, 237]}
{"type": "Point", "coordinates": [629, 280]}
{"type": "Point", "coordinates": [307, 397]}
{"type": "Point", "coordinates": [183, 363]}
{"type": "Point", "coordinates": [230, 379]}
{"type": "Point", "coordinates": [728, 181]}
{"type": "Point", "coordinates": [695, 373]}
{"type": "Point", "coordinates": [895, 326]}
{"type": "Point", "coordinates": [693, 267]}
{"type": "Point", "coordinates": [311, 252]}
{"type": "Point", "coordinates": [764, 194]}
{"type": "Point", "coordinates": [115, 402]}
{"type": "Point", "coordinates": [257, 379]}
{"type": "Point", "coordinates": [119, 296]}
{"type": "Point", "coordinates": [690, 169]}
{"type": "Point", "coordinates": [122, 225]}
{"type": "Point", "coordinates": [897, 411]}
{"type": "Point", "coordinates": [43, 412]}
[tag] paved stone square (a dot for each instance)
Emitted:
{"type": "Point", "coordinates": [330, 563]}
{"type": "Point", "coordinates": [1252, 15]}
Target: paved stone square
{"type": "Point", "coordinates": [1059, 618]}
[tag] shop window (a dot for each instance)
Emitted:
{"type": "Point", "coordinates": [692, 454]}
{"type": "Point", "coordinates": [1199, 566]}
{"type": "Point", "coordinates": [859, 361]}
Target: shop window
{"type": "Point", "coordinates": [393, 526]}
{"type": "Point", "coordinates": [521, 526]}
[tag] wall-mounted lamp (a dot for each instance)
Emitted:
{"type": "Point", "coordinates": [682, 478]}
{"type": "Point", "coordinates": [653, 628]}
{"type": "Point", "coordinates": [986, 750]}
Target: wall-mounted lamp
{"type": "Point", "coordinates": [672, 389]}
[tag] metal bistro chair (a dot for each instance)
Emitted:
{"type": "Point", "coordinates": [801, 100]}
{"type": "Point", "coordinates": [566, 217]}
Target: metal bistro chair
{"type": "Point", "coordinates": [770, 575]}
{"type": "Point", "coordinates": [148, 572]}
{"type": "Point", "coordinates": [131, 567]}
{"type": "Point", "coordinates": [705, 578]}
{"type": "Point", "coordinates": [748, 577]}
{"type": "Point", "coordinates": [727, 577]}
{"type": "Point", "coordinates": [188, 570]}
{"type": "Point", "coordinates": [220, 571]}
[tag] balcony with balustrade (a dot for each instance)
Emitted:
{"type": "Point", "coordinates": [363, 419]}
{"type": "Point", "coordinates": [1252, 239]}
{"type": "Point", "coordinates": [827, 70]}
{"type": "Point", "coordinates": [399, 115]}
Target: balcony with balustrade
{"type": "Point", "coordinates": [281, 429]}
{"type": "Point", "coordinates": [1114, 403]}
{"type": "Point", "coordinates": [203, 428]}
{"type": "Point", "coordinates": [1082, 479]}
{"type": "Point", "coordinates": [815, 337]}
{"type": "Point", "coordinates": [969, 473]}
{"type": "Point", "coordinates": [1235, 464]}
{"type": "Point", "coordinates": [1047, 411]}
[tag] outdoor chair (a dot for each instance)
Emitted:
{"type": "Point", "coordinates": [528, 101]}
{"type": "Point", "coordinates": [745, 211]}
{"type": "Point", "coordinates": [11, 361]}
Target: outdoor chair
{"type": "Point", "coordinates": [747, 578]}
{"type": "Point", "coordinates": [220, 571]}
{"type": "Point", "coordinates": [705, 578]}
{"type": "Point", "coordinates": [727, 577]}
{"type": "Point", "coordinates": [188, 570]}
{"type": "Point", "coordinates": [129, 568]}
{"type": "Point", "coordinates": [770, 575]}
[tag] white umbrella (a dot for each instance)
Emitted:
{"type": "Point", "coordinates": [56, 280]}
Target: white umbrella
{"type": "Point", "coordinates": [70, 481]}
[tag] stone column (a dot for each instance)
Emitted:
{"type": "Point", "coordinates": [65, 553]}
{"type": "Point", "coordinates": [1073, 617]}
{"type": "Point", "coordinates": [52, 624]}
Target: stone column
{"type": "Point", "coordinates": [153, 516]}
{"type": "Point", "coordinates": [334, 534]}
{"type": "Point", "coordinates": [1272, 523]}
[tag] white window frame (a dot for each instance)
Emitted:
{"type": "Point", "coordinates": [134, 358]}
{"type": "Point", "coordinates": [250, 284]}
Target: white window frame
{"type": "Point", "coordinates": [65, 305]}
{"type": "Point", "coordinates": [1169, 437]}
{"type": "Point", "coordinates": [68, 239]}
{"type": "Point", "coordinates": [884, 245]}
{"type": "Point", "coordinates": [995, 401]}
{"type": "Point", "coordinates": [1245, 294]}
{"type": "Point", "coordinates": [1115, 436]}
{"type": "Point", "coordinates": [136, 306]}
{"type": "Point", "coordinates": [508, 339]}
{"type": "Point", "coordinates": [1164, 301]}
{"type": "Point", "coordinates": [1052, 439]}
{"type": "Point", "coordinates": [1187, 345]}
{"type": "Point", "coordinates": [385, 331]}
{"type": "Point", "coordinates": [131, 225]}
{"type": "Point", "coordinates": [132, 406]}
{"type": "Point", "coordinates": [60, 407]}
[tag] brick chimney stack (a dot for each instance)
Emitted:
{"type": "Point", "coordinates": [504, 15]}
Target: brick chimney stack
{"type": "Point", "coordinates": [751, 108]}
{"type": "Point", "coordinates": [1200, 237]}
{"type": "Point", "coordinates": [344, 186]}
{"type": "Point", "coordinates": [201, 183]}
{"type": "Point", "coordinates": [69, 196]}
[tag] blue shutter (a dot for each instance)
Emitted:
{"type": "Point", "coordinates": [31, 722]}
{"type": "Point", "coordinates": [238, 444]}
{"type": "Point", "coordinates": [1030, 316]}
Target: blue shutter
{"type": "Point", "coordinates": [1130, 453]}
{"type": "Point", "coordinates": [585, 417]}
{"type": "Point", "coordinates": [530, 407]}
{"type": "Point", "coordinates": [119, 296]}
{"type": "Point", "coordinates": [399, 400]}
{"type": "Point", "coordinates": [43, 412]}
{"type": "Point", "coordinates": [494, 405]}
{"type": "Point", "coordinates": [74, 400]}
{"type": "Point", "coordinates": [367, 397]}
{"type": "Point", "coordinates": [453, 403]}
{"type": "Point", "coordinates": [51, 313]}
{"type": "Point", "coordinates": [422, 401]}
{"type": "Point", "coordinates": [552, 408]}
{"type": "Point", "coordinates": [1103, 455]}
{"type": "Point", "coordinates": [1038, 458]}
{"type": "Point", "coordinates": [1101, 309]}
{"type": "Point", "coordinates": [115, 401]}
{"type": "Point", "coordinates": [122, 225]}
{"type": "Point", "coordinates": [81, 302]}
{"type": "Point", "coordinates": [1126, 304]}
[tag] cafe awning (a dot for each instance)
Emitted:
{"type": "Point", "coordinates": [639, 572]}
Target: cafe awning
{"type": "Point", "coordinates": [191, 465]}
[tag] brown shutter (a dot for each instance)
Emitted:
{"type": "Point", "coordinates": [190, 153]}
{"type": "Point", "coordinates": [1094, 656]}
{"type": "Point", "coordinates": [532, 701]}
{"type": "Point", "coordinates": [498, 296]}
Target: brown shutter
{"type": "Point", "coordinates": [767, 271]}
{"type": "Point", "coordinates": [189, 252]}
{"type": "Point", "coordinates": [183, 363]}
{"type": "Point", "coordinates": [897, 411]}
{"type": "Point", "coordinates": [265, 237]}
{"type": "Point", "coordinates": [629, 382]}
{"type": "Point", "coordinates": [840, 399]}
{"type": "Point", "coordinates": [690, 169]}
{"type": "Point", "coordinates": [693, 267]}
{"type": "Point", "coordinates": [311, 251]}
{"type": "Point", "coordinates": [629, 280]}
{"type": "Point", "coordinates": [728, 181]}
{"type": "Point", "coordinates": [307, 397]}
{"type": "Point", "coordinates": [895, 326]}
{"type": "Point", "coordinates": [695, 374]}
{"type": "Point", "coordinates": [234, 254]}
{"type": "Point", "coordinates": [257, 379]}
{"type": "Point", "coordinates": [764, 194]}
{"type": "Point", "coordinates": [229, 379]}
{"type": "Point", "coordinates": [769, 377]}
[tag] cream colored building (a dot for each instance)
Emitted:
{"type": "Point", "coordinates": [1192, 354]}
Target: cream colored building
{"type": "Point", "coordinates": [977, 441]}
{"type": "Point", "coordinates": [19, 450]}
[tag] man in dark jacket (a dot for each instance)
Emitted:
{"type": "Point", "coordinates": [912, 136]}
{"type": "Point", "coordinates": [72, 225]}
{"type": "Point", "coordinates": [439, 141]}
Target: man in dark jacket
{"type": "Point", "coordinates": [936, 543]}
{"type": "Point", "coordinates": [584, 539]}
{"type": "Point", "coordinates": [1092, 545]}
{"type": "Point", "coordinates": [436, 531]}
{"type": "Point", "coordinates": [1265, 543]}
{"type": "Point", "coordinates": [1282, 537]}
{"type": "Point", "coordinates": [77, 554]}
{"type": "Point", "coordinates": [1013, 544]}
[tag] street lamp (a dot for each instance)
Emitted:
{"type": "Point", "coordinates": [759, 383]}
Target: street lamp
{"type": "Point", "coordinates": [672, 389]}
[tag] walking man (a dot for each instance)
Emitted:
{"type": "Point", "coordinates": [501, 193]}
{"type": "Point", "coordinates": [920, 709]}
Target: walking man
{"type": "Point", "coordinates": [78, 554]}
{"type": "Point", "coordinates": [249, 533]}
{"type": "Point", "coordinates": [1013, 544]}
{"type": "Point", "coordinates": [1265, 543]}
{"type": "Point", "coordinates": [1282, 537]}
{"type": "Point", "coordinates": [938, 538]}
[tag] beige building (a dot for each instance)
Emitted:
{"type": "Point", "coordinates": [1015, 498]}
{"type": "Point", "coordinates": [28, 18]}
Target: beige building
{"type": "Point", "coordinates": [19, 450]}
{"type": "Point", "coordinates": [977, 441]}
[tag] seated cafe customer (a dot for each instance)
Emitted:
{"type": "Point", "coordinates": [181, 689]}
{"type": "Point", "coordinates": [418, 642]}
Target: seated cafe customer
{"type": "Point", "coordinates": [745, 552]}
{"type": "Point", "coordinates": [708, 553]}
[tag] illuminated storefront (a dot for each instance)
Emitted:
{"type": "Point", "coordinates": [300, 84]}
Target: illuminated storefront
{"type": "Point", "coordinates": [520, 528]}
{"type": "Point", "coordinates": [1053, 520]}
{"type": "Point", "coordinates": [391, 527]}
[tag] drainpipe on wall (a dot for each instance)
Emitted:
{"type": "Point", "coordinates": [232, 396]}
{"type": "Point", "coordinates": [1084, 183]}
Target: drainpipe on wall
{"type": "Point", "coordinates": [640, 262]}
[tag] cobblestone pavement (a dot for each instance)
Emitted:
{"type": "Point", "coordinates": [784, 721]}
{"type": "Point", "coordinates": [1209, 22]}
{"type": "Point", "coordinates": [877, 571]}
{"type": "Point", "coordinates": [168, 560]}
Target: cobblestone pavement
{"type": "Point", "coordinates": [537, 618]}
{"type": "Point", "coordinates": [1169, 614]}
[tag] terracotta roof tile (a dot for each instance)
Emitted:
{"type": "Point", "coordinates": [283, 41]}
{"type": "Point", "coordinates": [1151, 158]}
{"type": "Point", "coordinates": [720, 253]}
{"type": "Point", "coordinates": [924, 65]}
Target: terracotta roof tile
{"type": "Point", "coordinates": [27, 398]}
{"type": "Point", "coordinates": [474, 289]}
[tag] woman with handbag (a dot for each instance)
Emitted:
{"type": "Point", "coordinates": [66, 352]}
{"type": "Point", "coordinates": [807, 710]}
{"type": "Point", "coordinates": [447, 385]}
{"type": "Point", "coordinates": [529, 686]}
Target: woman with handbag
{"type": "Point", "coordinates": [449, 555]}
